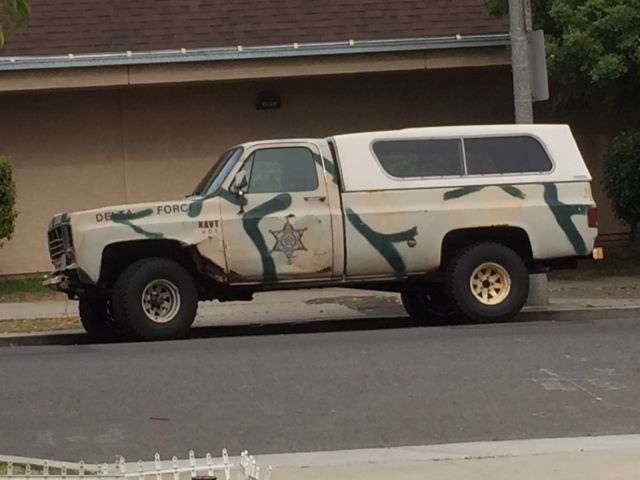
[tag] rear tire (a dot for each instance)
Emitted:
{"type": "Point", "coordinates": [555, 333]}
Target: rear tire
{"type": "Point", "coordinates": [97, 320]}
{"type": "Point", "coordinates": [488, 282]}
{"type": "Point", "coordinates": [155, 299]}
{"type": "Point", "coordinates": [427, 304]}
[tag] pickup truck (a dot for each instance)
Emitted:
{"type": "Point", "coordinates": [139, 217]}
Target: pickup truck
{"type": "Point", "coordinates": [453, 218]}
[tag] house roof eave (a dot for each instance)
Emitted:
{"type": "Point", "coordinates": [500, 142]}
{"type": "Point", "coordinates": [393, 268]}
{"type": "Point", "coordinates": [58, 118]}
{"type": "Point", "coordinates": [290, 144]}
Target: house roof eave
{"type": "Point", "coordinates": [252, 52]}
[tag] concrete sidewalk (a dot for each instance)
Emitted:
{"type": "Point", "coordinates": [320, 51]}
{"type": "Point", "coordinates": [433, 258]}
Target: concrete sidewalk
{"type": "Point", "coordinates": [577, 458]}
{"type": "Point", "coordinates": [312, 304]}
{"type": "Point", "coordinates": [583, 458]}
{"type": "Point", "coordinates": [317, 303]}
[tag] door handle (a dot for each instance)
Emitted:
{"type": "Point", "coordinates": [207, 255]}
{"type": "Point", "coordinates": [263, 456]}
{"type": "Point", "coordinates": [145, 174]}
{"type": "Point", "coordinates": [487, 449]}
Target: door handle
{"type": "Point", "coordinates": [319, 198]}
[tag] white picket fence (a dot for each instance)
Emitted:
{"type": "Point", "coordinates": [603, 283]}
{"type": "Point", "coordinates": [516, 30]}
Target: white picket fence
{"type": "Point", "coordinates": [245, 468]}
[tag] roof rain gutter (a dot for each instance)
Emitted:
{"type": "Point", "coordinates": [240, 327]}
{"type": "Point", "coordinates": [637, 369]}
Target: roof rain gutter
{"type": "Point", "coordinates": [255, 52]}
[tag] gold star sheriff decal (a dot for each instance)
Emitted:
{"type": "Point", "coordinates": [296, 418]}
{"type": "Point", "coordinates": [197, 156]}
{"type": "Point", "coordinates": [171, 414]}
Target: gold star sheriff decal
{"type": "Point", "coordinates": [288, 240]}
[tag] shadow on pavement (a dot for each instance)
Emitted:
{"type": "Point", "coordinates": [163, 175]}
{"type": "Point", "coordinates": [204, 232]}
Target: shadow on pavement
{"type": "Point", "coordinates": [290, 328]}
{"type": "Point", "coordinates": [321, 326]}
{"type": "Point", "coordinates": [318, 326]}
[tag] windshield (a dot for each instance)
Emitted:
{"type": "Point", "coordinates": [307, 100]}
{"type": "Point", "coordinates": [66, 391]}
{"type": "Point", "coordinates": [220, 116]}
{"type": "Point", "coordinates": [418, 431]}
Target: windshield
{"type": "Point", "coordinates": [214, 177]}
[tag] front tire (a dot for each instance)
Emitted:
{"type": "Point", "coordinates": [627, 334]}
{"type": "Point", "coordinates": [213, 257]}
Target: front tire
{"type": "Point", "coordinates": [488, 282]}
{"type": "Point", "coordinates": [155, 299]}
{"type": "Point", "coordinates": [98, 321]}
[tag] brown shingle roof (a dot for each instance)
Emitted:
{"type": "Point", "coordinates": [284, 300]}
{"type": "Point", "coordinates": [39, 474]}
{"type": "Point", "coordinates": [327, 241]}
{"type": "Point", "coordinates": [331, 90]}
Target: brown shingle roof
{"type": "Point", "coordinates": [89, 26]}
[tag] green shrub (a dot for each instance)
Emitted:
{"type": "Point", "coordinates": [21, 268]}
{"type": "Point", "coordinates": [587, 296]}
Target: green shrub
{"type": "Point", "coordinates": [622, 179]}
{"type": "Point", "coordinates": [8, 213]}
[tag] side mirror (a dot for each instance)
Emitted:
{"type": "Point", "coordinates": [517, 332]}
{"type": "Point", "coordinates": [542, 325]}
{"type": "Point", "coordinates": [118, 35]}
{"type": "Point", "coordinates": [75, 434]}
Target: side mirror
{"type": "Point", "coordinates": [240, 182]}
{"type": "Point", "coordinates": [239, 186]}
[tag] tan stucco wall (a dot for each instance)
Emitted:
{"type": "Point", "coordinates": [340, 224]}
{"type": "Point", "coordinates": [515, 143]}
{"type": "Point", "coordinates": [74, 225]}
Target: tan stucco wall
{"type": "Point", "coordinates": [88, 148]}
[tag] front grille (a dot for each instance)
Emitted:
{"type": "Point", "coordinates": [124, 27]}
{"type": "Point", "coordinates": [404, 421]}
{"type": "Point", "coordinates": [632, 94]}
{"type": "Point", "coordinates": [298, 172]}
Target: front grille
{"type": "Point", "coordinates": [59, 243]}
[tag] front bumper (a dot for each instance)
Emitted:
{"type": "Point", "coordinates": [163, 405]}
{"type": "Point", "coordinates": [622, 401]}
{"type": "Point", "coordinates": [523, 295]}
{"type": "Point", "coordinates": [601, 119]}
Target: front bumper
{"type": "Point", "coordinates": [56, 281]}
{"type": "Point", "coordinates": [65, 281]}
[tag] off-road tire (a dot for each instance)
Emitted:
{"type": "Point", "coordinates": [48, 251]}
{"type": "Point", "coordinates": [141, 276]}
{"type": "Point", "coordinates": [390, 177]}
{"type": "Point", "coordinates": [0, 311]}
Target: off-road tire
{"type": "Point", "coordinates": [97, 320]}
{"type": "Point", "coordinates": [127, 299]}
{"type": "Point", "coordinates": [427, 304]}
{"type": "Point", "coordinates": [459, 276]}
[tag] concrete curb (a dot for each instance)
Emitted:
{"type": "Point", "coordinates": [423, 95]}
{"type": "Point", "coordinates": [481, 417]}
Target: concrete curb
{"type": "Point", "coordinates": [530, 314]}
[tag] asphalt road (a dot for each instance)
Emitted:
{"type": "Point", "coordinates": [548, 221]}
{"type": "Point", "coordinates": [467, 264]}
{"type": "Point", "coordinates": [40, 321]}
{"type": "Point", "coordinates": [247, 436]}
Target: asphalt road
{"type": "Point", "coordinates": [321, 387]}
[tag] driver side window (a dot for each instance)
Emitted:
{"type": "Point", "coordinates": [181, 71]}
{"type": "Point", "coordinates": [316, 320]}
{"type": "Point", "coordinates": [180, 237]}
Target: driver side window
{"type": "Point", "coordinates": [277, 170]}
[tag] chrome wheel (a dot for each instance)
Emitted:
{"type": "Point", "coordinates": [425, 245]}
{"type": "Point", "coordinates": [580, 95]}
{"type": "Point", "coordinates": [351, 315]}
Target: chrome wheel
{"type": "Point", "coordinates": [490, 283]}
{"type": "Point", "coordinates": [161, 301]}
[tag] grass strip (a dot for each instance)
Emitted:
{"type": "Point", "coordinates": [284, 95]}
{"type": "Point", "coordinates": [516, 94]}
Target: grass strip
{"type": "Point", "coordinates": [31, 325]}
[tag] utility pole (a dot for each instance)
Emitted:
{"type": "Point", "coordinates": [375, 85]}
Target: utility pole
{"type": "Point", "coordinates": [520, 21]}
{"type": "Point", "coordinates": [528, 20]}
{"type": "Point", "coordinates": [521, 26]}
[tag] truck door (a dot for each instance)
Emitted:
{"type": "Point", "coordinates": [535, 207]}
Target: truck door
{"type": "Point", "coordinates": [279, 226]}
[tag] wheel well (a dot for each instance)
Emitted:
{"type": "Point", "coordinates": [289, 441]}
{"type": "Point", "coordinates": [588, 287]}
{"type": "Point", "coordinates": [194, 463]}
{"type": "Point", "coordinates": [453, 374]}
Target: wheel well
{"type": "Point", "coordinates": [117, 256]}
{"type": "Point", "coordinates": [512, 237]}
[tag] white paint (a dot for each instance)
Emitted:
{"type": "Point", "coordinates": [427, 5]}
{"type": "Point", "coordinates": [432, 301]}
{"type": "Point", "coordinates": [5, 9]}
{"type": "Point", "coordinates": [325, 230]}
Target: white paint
{"type": "Point", "coordinates": [356, 157]}
{"type": "Point", "coordinates": [568, 381]}
{"type": "Point", "coordinates": [554, 384]}
{"type": "Point", "coordinates": [605, 384]}
{"type": "Point", "coordinates": [564, 382]}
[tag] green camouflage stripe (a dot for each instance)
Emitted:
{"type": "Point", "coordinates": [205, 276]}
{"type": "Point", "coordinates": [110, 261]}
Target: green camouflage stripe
{"type": "Point", "coordinates": [383, 242]}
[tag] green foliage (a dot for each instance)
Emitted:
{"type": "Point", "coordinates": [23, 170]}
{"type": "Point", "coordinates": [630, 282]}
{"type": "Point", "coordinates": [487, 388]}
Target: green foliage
{"type": "Point", "coordinates": [622, 178]}
{"type": "Point", "coordinates": [14, 14]}
{"type": "Point", "coordinates": [496, 7]}
{"type": "Point", "coordinates": [8, 213]}
{"type": "Point", "coordinates": [593, 49]}
{"type": "Point", "coordinates": [539, 10]}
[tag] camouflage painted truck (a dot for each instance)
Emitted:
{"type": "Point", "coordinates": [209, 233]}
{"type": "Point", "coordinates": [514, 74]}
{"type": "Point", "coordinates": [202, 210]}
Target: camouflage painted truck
{"type": "Point", "coordinates": [453, 218]}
